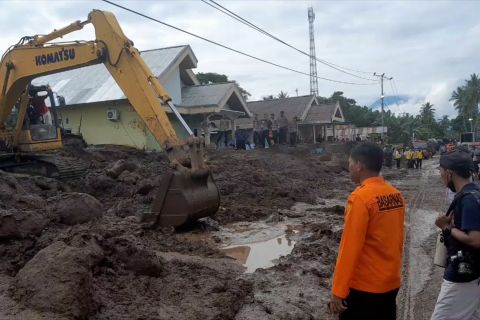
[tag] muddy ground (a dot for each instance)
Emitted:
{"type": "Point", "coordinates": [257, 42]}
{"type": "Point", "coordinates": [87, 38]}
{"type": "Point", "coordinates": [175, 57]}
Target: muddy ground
{"type": "Point", "coordinates": [76, 249]}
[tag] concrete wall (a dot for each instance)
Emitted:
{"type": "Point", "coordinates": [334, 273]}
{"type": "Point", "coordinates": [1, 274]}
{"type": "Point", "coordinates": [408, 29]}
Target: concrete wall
{"type": "Point", "coordinates": [173, 85]}
{"type": "Point", "coordinates": [91, 121]}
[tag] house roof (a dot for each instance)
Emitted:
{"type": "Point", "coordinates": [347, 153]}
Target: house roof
{"type": "Point", "coordinates": [94, 83]}
{"type": "Point", "coordinates": [219, 96]}
{"type": "Point", "coordinates": [293, 106]}
{"type": "Point", "coordinates": [306, 108]}
{"type": "Point", "coordinates": [324, 113]}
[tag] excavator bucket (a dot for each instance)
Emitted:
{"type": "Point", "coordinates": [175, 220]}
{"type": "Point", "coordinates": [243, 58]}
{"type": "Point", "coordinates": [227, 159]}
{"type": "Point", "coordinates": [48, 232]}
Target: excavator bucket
{"type": "Point", "coordinates": [184, 195]}
{"type": "Point", "coordinates": [182, 199]}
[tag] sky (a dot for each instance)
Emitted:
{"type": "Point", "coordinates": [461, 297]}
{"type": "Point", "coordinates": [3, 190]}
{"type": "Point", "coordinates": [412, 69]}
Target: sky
{"type": "Point", "coordinates": [428, 47]}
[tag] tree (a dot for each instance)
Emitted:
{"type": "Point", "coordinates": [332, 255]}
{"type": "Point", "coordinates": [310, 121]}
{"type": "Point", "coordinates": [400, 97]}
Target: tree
{"type": "Point", "coordinates": [212, 77]}
{"type": "Point", "coordinates": [282, 95]}
{"type": "Point", "coordinates": [466, 100]}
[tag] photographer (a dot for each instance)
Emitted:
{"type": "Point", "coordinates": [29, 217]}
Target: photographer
{"type": "Point", "coordinates": [459, 296]}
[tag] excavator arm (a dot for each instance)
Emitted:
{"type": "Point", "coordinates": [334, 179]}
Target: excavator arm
{"type": "Point", "coordinates": [191, 192]}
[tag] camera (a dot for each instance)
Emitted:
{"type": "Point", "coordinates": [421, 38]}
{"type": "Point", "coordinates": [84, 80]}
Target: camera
{"type": "Point", "coordinates": [462, 264]}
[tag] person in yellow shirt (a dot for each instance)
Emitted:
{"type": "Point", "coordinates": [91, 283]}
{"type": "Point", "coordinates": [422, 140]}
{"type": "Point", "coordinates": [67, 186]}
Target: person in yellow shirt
{"type": "Point", "coordinates": [367, 272]}
{"type": "Point", "coordinates": [419, 156]}
{"type": "Point", "coordinates": [409, 158]}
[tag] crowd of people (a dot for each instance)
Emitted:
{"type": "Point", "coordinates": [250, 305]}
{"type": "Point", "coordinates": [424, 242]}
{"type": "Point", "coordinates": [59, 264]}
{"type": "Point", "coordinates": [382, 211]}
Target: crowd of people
{"type": "Point", "coordinates": [411, 157]}
{"type": "Point", "coordinates": [267, 132]}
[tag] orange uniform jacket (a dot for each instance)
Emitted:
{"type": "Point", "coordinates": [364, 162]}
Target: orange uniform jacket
{"type": "Point", "coordinates": [370, 253]}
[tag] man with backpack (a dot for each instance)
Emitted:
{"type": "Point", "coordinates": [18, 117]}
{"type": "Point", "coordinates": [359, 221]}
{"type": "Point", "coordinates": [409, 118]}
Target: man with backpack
{"type": "Point", "coordinates": [459, 296]}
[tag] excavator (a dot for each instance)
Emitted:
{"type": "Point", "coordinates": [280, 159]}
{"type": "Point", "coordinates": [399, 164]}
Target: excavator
{"type": "Point", "coordinates": [184, 195]}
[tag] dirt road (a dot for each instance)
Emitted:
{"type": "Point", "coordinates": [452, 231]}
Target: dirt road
{"type": "Point", "coordinates": [421, 279]}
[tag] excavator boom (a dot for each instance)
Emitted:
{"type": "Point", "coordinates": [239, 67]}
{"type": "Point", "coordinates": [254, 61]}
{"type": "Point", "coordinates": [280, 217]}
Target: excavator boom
{"type": "Point", "coordinates": [186, 194]}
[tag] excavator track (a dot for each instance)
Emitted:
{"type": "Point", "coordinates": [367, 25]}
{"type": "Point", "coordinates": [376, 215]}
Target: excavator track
{"type": "Point", "coordinates": [52, 166]}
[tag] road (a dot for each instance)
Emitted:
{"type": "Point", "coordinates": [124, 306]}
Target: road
{"type": "Point", "coordinates": [426, 198]}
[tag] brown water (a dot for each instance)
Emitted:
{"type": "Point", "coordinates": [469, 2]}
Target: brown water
{"type": "Point", "coordinates": [261, 254]}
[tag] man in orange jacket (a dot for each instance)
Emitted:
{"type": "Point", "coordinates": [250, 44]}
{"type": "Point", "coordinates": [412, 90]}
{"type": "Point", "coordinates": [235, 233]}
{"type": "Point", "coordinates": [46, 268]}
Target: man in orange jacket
{"type": "Point", "coordinates": [367, 273]}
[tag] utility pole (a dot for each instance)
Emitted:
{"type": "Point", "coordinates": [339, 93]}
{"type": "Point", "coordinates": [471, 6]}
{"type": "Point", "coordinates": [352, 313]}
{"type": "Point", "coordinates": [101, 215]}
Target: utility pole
{"type": "Point", "coordinates": [382, 77]}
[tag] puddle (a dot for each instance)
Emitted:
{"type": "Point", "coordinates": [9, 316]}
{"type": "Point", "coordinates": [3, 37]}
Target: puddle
{"type": "Point", "coordinates": [261, 254]}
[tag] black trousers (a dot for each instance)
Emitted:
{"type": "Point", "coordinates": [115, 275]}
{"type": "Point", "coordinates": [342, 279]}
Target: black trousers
{"type": "Point", "coordinates": [283, 135]}
{"type": "Point", "coordinates": [220, 135]}
{"type": "Point", "coordinates": [266, 137]}
{"type": "Point", "coordinates": [293, 138]}
{"type": "Point", "coordinates": [372, 306]}
{"type": "Point", "coordinates": [398, 163]}
{"type": "Point", "coordinates": [419, 163]}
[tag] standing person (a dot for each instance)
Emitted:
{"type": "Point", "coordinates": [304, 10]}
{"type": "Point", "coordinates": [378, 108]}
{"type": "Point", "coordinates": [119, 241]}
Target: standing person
{"type": "Point", "coordinates": [292, 131]}
{"type": "Point", "coordinates": [419, 156]}
{"type": "Point", "coordinates": [283, 128]}
{"type": "Point", "coordinates": [223, 131]}
{"type": "Point", "coordinates": [397, 155]}
{"type": "Point", "coordinates": [367, 273]}
{"type": "Point", "coordinates": [409, 158]}
{"type": "Point", "coordinates": [414, 158]}
{"type": "Point", "coordinates": [265, 125]}
{"type": "Point", "coordinates": [459, 296]}
{"type": "Point", "coordinates": [257, 131]}
{"type": "Point", "coordinates": [240, 139]}
{"type": "Point", "coordinates": [358, 138]}
{"type": "Point", "coordinates": [388, 154]}
{"type": "Point", "coordinates": [274, 128]}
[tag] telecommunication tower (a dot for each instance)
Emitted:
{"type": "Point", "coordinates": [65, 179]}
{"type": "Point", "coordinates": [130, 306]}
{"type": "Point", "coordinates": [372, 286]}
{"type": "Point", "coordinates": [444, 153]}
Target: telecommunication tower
{"type": "Point", "coordinates": [313, 59]}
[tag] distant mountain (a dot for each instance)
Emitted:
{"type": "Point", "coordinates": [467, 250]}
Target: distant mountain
{"type": "Point", "coordinates": [390, 100]}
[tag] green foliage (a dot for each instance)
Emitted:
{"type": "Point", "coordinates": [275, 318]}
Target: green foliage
{"type": "Point", "coordinates": [212, 77]}
{"type": "Point", "coordinates": [401, 128]}
{"type": "Point", "coordinates": [282, 95]}
{"type": "Point", "coordinates": [465, 100]}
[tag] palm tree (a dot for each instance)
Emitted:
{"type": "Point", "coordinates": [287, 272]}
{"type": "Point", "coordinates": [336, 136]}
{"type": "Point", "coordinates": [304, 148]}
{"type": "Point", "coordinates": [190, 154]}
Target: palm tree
{"type": "Point", "coordinates": [466, 99]}
{"type": "Point", "coordinates": [427, 113]}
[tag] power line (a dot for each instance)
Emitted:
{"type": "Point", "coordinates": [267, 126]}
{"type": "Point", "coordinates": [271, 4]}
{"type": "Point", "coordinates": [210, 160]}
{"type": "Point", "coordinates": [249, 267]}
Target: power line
{"type": "Point", "coordinates": [231, 49]}
{"type": "Point", "coordinates": [235, 16]}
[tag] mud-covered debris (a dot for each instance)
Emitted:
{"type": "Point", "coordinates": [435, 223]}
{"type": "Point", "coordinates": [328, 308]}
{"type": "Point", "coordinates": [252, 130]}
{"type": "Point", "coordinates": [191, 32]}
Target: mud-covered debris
{"type": "Point", "coordinates": [119, 167]}
{"type": "Point", "coordinates": [59, 279]}
{"type": "Point", "coordinates": [134, 257]}
{"type": "Point", "coordinates": [15, 224]}
{"type": "Point", "coordinates": [129, 178]}
{"type": "Point", "coordinates": [144, 187]}
{"type": "Point", "coordinates": [74, 208]}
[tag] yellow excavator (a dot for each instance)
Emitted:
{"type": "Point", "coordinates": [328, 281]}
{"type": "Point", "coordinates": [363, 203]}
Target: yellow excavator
{"type": "Point", "coordinates": [186, 194]}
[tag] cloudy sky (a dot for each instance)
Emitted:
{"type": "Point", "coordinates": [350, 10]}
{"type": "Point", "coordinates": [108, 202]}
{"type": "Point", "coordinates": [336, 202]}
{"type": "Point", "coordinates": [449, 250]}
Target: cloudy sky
{"type": "Point", "coordinates": [429, 47]}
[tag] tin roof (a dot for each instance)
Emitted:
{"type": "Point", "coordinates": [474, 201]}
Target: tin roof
{"type": "Point", "coordinates": [306, 108]}
{"type": "Point", "coordinates": [94, 83]}
{"type": "Point", "coordinates": [223, 96]}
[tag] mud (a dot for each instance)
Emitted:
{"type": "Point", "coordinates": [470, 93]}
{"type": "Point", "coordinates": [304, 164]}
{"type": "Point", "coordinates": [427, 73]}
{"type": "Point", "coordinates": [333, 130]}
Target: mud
{"type": "Point", "coordinates": [96, 261]}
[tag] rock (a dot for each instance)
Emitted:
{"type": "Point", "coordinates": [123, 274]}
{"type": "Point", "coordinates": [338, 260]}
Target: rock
{"type": "Point", "coordinates": [59, 279]}
{"type": "Point", "coordinates": [145, 187]}
{"type": "Point", "coordinates": [18, 224]}
{"type": "Point", "coordinates": [209, 224]}
{"type": "Point", "coordinates": [100, 183]}
{"type": "Point", "coordinates": [31, 201]}
{"type": "Point", "coordinates": [119, 167]}
{"type": "Point", "coordinates": [136, 257]}
{"type": "Point", "coordinates": [129, 178]}
{"type": "Point", "coordinates": [42, 183]}
{"type": "Point", "coordinates": [74, 208]}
